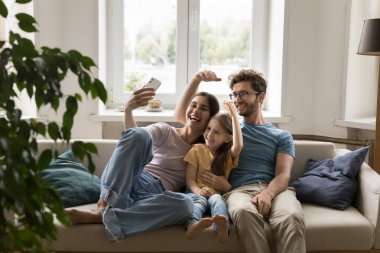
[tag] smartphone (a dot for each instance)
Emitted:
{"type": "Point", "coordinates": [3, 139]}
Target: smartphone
{"type": "Point", "coordinates": [153, 83]}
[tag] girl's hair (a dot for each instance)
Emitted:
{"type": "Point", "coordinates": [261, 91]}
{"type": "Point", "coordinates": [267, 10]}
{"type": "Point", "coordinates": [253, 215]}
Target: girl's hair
{"type": "Point", "coordinates": [213, 105]}
{"type": "Point", "coordinates": [218, 165]}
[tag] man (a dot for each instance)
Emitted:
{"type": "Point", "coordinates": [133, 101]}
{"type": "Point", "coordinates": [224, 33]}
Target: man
{"type": "Point", "coordinates": [260, 191]}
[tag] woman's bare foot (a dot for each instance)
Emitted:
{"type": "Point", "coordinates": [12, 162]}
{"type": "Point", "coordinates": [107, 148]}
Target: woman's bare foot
{"type": "Point", "coordinates": [84, 217]}
{"type": "Point", "coordinates": [195, 228]}
{"type": "Point", "coordinates": [101, 204]}
{"type": "Point", "coordinates": [221, 228]}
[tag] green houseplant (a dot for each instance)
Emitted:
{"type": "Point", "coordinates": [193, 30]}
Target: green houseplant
{"type": "Point", "coordinates": [39, 72]}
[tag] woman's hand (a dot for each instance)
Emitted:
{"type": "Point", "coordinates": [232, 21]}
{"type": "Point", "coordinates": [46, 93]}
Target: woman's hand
{"type": "Point", "coordinates": [190, 90]}
{"type": "Point", "coordinates": [139, 98]}
{"type": "Point", "coordinates": [218, 183]}
{"type": "Point", "coordinates": [206, 76]}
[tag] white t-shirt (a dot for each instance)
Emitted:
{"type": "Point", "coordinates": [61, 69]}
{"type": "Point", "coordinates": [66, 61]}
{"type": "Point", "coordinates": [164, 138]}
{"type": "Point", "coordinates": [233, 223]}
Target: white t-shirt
{"type": "Point", "coordinates": [169, 150]}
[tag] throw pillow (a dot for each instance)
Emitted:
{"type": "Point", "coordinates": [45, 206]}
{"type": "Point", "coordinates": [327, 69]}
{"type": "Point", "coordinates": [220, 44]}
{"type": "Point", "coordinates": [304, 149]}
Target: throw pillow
{"type": "Point", "coordinates": [74, 183]}
{"type": "Point", "coordinates": [332, 182]}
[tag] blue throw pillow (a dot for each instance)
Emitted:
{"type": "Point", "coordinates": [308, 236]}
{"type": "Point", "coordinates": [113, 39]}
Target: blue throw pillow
{"type": "Point", "coordinates": [74, 183]}
{"type": "Point", "coordinates": [332, 182]}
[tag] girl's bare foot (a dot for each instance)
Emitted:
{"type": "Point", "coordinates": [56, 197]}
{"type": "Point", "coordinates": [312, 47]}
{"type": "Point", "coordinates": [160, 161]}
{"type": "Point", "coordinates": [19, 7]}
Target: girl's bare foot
{"type": "Point", "coordinates": [195, 228]}
{"type": "Point", "coordinates": [84, 217]}
{"type": "Point", "coordinates": [221, 228]}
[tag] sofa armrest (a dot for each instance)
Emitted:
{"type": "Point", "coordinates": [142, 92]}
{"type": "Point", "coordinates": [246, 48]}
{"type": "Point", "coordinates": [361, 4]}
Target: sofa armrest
{"type": "Point", "coordinates": [368, 196]}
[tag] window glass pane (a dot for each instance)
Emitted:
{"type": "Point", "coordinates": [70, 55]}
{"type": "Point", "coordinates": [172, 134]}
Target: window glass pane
{"type": "Point", "coordinates": [150, 43]}
{"type": "Point", "coordinates": [224, 39]}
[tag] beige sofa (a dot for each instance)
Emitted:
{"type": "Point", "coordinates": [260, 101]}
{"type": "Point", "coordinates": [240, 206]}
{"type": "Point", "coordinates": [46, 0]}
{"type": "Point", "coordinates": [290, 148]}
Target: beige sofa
{"type": "Point", "coordinates": [356, 229]}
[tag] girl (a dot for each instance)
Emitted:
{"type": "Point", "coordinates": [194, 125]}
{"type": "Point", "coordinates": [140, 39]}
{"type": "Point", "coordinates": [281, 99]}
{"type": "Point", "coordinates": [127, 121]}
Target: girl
{"type": "Point", "coordinates": [218, 155]}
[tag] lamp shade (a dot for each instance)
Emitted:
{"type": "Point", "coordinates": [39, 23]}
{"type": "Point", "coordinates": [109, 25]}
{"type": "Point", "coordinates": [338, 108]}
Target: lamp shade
{"type": "Point", "coordinates": [370, 39]}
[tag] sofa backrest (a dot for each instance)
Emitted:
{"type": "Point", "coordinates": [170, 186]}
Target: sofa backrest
{"type": "Point", "coordinates": [310, 150]}
{"type": "Point", "coordinates": [304, 151]}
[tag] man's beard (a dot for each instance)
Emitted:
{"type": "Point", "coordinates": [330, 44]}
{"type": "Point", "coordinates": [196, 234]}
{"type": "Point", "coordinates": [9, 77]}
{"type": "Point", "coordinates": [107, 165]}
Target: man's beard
{"type": "Point", "coordinates": [249, 109]}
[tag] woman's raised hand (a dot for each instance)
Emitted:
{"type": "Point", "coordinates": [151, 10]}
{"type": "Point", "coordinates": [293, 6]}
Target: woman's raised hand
{"type": "Point", "coordinates": [139, 98]}
{"type": "Point", "coordinates": [207, 76]}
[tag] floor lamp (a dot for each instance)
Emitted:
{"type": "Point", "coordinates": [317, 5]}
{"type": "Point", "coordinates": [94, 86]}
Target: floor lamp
{"type": "Point", "coordinates": [370, 45]}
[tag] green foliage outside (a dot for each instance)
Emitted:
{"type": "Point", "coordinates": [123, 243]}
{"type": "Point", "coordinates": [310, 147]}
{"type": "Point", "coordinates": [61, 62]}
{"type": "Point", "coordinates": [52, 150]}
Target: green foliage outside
{"type": "Point", "coordinates": [217, 46]}
{"type": "Point", "coordinates": [133, 80]}
{"type": "Point", "coordinates": [39, 72]}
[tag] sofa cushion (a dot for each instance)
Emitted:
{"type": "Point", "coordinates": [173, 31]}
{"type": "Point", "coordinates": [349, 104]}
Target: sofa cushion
{"type": "Point", "coordinates": [331, 182]}
{"type": "Point", "coordinates": [74, 183]}
{"type": "Point", "coordinates": [166, 239]}
{"type": "Point", "coordinates": [330, 229]}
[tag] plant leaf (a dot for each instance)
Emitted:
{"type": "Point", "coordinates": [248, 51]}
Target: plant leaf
{"type": "Point", "coordinates": [3, 9]}
{"type": "Point", "coordinates": [23, 1]}
{"type": "Point", "coordinates": [100, 90]}
{"type": "Point", "coordinates": [44, 159]}
{"type": "Point", "coordinates": [53, 131]}
{"type": "Point", "coordinates": [26, 22]}
{"type": "Point", "coordinates": [87, 62]}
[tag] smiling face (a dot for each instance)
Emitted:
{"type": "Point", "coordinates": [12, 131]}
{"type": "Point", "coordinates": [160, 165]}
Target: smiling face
{"type": "Point", "coordinates": [198, 113]}
{"type": "Point", "coordinates": [248, 104]}
{"type": "Point", "coordinates": [215, 135]}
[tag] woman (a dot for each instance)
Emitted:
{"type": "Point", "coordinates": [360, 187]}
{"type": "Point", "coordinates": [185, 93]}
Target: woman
{"type": "Point", "coordinates": [140, 184]}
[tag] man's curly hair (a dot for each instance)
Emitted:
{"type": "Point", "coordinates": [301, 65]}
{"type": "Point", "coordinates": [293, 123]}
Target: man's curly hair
{"type": "Point", "coordinates": [256, 79]}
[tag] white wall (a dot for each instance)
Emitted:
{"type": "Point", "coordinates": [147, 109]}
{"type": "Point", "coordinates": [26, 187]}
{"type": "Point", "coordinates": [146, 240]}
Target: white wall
{"type": "Point", "coordinates": [321, 41]}
{"type": "Point", "coordinates": [72, 24]}
{"type": "Point", "coordinates": [362, 72]}
{"type": "Point", "coordinates": [316, 56]}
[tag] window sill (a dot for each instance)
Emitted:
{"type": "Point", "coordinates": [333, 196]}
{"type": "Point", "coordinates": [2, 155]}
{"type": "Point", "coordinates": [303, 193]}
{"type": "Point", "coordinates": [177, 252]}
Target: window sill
{"type": "Point", "coordinates": [360, 123]}
{"type": "Point", "coordinates": [141, 115]}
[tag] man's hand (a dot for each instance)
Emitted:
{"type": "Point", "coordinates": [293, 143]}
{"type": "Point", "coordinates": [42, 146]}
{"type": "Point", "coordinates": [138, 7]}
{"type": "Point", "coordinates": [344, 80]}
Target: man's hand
{"type": "Point", "coordinates": [263, 202]}
{"type": "Point", "coordinates": [218, 183]}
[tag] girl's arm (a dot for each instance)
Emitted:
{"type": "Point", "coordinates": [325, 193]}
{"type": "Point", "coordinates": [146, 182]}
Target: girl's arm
{"type": "Point", "coordinates": [139, 98]}
{"type": "Point", "coordinates": [190, 90]}
{"type": "Point", "coordinates": [237, 138]}
{"type": "Point", "coordinates": [191, 182]}
{"type": "Point", "coordinates": [191, 179]}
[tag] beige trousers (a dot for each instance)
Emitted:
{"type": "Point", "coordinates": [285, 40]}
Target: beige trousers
{"type": "Point", "coordinates": [285, 221]}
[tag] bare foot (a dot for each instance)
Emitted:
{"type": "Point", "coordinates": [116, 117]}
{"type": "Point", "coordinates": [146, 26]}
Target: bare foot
{"type": "Point", "coordinates": [101, 204]}
{"type": "Point", "coordinates": [221, 228]}
{"type": "Point", "coordinates": [84, 217]}
{"type": "Point", "coordinates": [195, 228]}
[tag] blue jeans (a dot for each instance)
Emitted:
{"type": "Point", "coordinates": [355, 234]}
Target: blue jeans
{"type": "Point", "coordinates": [215, 204]}
{"type": "Point", "coordinates": [136, 201]}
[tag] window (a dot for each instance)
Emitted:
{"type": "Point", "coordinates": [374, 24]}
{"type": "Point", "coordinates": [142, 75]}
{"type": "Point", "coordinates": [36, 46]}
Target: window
{"type": "Point", "coordinates": [171, 40]}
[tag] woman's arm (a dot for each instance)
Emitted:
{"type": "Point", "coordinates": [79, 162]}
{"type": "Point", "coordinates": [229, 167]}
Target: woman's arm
{"type": "Point", "coordinates": [139, 98]}
{"type": "Point", "coordinates": [237, 138]}
{"type": "Point", "coordinates": [190, 90]}
{"type": "Point", "coordinates": [219, 183]}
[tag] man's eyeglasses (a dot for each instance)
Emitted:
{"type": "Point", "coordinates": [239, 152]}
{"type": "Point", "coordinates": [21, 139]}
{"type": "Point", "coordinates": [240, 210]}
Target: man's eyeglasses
{"type": "Point", "coordinates": [242, 94]}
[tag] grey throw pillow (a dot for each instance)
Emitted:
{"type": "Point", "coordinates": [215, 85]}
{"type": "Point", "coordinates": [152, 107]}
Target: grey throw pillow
{"type": "Point", "coordinates": [332, 182]}
{"type": "Point", "coordinates": [74, 183]}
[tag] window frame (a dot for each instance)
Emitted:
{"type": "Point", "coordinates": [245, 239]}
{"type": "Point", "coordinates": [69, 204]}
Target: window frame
{"type": "Point", "coordinates": [187, 48]}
